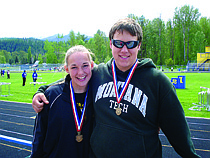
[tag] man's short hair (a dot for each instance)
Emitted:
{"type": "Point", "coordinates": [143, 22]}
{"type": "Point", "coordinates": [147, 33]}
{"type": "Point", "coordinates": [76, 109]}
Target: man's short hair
{"type": "Point", "coordinates": [129, 25]}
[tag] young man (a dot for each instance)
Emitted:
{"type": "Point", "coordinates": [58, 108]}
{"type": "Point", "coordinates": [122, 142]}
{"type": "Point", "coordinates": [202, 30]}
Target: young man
{"type": "Point", "coordinates": [132, 100]}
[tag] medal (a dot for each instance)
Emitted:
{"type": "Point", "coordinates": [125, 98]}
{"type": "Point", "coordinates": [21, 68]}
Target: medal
{"type": "Point", "coordinates": [78, 122]}
{"type": "Point", "coordinates": [118, 111]}
{"type": "Point", "coordinates": [79, 137]}
{"type": "Point", "coordinates": [119, 96]}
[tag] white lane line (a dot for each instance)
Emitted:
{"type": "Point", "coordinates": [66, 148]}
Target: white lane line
{"type": "Point", "coordinates": [15, 140]}
{"type": "Point", "coordinates": [204, 124]}
{"type": "Point", "coordinates": [16, 104]}
{"type": "Point", "coordinates": [16, 116]}
{"type": "Point", "coordinates": [16, 133]}
{"type": "Point", "coordinates": [191, 137]}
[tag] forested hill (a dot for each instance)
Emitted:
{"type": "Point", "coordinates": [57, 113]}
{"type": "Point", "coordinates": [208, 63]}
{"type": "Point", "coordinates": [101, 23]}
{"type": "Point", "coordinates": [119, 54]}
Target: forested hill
{"type": "Point", "coordinates": [22, 44]}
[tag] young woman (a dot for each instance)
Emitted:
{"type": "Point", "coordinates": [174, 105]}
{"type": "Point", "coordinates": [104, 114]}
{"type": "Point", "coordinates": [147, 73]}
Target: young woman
{"type": "Point", "coordinates": [63, 128]}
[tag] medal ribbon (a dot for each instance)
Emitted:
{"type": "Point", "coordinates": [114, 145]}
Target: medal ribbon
{"type": "Point", "coordinates": [78, 122]}
{"type": "Point", "coordinates": [119, 97]}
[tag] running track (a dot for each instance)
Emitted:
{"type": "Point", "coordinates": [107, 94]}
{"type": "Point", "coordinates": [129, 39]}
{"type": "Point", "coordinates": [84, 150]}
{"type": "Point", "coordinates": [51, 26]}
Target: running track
{"type": "Point", "coordinates": [17, 122]}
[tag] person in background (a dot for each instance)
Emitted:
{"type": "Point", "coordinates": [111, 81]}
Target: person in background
{"type": "Point", "coordinates": [24, 74]}
{"type": "Point", "coordinates": [3, 71]}
{"type": "Point", "coordinates": [34, 76]}
{"type": "Point", "coordinates": [8, 74]}
{"type": "Point", "coordinates": [64, 126]}
{"type": "Point", "coordinates": [132, 101]}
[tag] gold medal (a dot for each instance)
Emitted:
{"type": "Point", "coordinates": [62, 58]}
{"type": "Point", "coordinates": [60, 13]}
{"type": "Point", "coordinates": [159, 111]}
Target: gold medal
{"type": "Point", "coordinates": [78, 121]}
{"type": "Point", "coordinates": [79, 137]}
{"type": "Point", "coordinates": [119, 96]}
{"type": "Point", "coordinates": [118, 111]}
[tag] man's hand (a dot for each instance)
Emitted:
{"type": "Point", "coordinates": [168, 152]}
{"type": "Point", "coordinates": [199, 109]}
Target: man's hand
{"type": "Point", "coordinates": [38, 102]}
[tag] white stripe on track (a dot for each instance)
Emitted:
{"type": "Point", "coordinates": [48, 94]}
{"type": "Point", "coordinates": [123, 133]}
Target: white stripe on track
{"type": "Point", "coordinates": [15, 116]}
{"type": "Point", "coordinates": [191, 137]}
{"type": "Point", "coordinates": [199, 123]}
{"type": "Point", "coordinates": [15, 140]}
{"type": "Point", "coordinates": [16, 133]}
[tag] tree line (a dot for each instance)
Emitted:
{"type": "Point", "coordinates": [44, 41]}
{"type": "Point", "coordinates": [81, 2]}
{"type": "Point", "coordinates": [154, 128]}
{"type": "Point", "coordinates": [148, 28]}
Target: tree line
{"type": "Point", "coordinates": [178, 40]}
{"type": "Point", "coordinates": [174, 42]}
{"type": "Point", "coordinates": [20, 50]}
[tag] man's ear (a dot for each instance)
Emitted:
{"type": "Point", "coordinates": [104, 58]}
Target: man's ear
{"type": "Point", "coordinates": [66, 68]}
{"type": "Point", "coordinates": [139, 46]}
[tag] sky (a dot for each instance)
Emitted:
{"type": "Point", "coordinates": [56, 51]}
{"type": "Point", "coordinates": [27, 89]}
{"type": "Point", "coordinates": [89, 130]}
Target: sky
{"type": "Point", "coordinates": [44, 18]}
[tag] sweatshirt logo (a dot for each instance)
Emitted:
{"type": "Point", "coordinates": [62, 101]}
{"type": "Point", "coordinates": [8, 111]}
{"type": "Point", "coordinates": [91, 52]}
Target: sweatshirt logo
{"type": "Point", "coordinates": [133, 95]}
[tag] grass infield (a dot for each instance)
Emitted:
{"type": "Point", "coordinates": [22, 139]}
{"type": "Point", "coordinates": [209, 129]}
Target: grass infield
{"type": "Point", "coordinates": [16, 92]}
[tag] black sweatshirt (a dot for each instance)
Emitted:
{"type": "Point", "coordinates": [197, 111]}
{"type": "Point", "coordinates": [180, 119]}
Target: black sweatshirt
{"type": "Point", "coordinates": [149, 102]}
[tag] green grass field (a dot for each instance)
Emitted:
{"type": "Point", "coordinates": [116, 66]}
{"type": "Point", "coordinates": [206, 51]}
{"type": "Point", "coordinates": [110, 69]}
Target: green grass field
{"type": "Point", "coordinates": [190, 94]}
{"type": "Point", "coordinates": [24, 94]}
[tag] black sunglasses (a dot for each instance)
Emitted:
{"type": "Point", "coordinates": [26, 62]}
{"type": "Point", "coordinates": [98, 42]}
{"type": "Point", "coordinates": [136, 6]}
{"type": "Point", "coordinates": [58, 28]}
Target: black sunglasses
{"type": "Point", "coordinates": [129, 44]}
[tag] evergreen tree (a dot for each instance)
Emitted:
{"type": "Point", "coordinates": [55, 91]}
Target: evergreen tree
{"type": "Point", "coordinates": [40, 58]}
{"type": "Point", "coordinates": [16, 60]}
{"type": "Point", "coordinates": [29, 55]}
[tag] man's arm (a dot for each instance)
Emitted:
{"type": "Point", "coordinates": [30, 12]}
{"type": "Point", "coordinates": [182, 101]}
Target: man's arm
{"type": "Point", "coordinates": [39, 98]}
{"type": "Point", "coordinates": [173, 123]}
{"type": "Point", "coordinates": [38, 102]}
